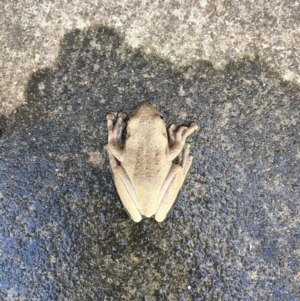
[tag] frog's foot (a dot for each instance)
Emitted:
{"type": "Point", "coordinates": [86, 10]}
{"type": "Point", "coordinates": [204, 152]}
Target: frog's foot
{"type": "Point", "coordinates": [177, 139]}
{"type": "Point", "coordinates": [180, 134]}
{"type": "Point", "coordinates": [115, 125]}
{"type": "Point", "coordinates": [183, 132]}
{"type": "Point", "coordinates": [185, 160]}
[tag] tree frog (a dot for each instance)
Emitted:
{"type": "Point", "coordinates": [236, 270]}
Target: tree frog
{"type": "Point", "coordinates": [146, 178]}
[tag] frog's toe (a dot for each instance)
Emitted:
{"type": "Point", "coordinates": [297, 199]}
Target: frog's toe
{"type": "Point", "coordinates": [172, 127]}
{"type": "Point", "coordinates": [122, 115]}
{"type": "Point", "coordinates": [194, 126]}
{"type": "Point", "coordinates": [111, 116]}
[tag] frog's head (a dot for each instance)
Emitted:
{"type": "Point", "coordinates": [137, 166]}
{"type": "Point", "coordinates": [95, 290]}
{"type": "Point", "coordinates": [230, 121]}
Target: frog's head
{"type": "Point", "coordinates": [143, 115]}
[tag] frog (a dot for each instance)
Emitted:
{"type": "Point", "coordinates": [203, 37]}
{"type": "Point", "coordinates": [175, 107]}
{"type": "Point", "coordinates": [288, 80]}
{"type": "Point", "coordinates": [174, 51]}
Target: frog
{"type": "Point", "coordinates": [149, 164]}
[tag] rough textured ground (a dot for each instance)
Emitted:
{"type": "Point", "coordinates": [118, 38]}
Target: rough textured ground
{"type": "Point", "coordinates": [234, 232]}
{"type": "Point", "coordinates": [181, 31]}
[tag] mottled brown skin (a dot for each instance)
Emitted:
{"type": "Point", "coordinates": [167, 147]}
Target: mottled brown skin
{"type": "Point", "coordinates": [146, 178]}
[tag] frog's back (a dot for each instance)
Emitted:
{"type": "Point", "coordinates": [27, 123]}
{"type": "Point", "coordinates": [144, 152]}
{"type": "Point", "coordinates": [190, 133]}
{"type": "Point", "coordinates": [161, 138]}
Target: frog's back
{"type": "Point", "coordinates": [147, 167]}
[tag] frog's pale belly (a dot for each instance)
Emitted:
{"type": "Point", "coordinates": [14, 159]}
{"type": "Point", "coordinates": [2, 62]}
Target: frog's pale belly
{"type": "Point", "coordinates": [150, 160]}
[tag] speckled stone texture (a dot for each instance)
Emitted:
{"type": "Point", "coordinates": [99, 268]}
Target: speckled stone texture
{"type": "Point", "coordinates": [181, 31]}
{"type": "Point", "coordinates": [234, 232]}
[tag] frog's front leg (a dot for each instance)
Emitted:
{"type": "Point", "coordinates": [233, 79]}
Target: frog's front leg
{"type": "Point", "coordinates": [115, 125]}
{"type": "Point", "coordinates": [177, 139]}
{"type": "Point", "coordinates": [172, 184]}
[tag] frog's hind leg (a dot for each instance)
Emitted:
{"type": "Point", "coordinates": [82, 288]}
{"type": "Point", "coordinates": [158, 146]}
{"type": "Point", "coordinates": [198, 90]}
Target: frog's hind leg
{"type": "Point", "coordinates": [125, 189]}
{"type": "Point", "coordinates": [172, 184]}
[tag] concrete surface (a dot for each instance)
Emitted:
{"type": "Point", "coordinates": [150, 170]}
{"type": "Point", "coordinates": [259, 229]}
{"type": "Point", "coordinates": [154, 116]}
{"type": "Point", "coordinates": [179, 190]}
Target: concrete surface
{"type": "Point", "coordinates": [180, 31]}
{"type": "Point", "coordinates": [64, 235]}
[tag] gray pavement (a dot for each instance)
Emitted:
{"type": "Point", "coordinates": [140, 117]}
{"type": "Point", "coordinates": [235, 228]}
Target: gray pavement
{"type": "Point", "coordinates": [180, 31]}
{"type": "Point", "coordinates": [232, 235]}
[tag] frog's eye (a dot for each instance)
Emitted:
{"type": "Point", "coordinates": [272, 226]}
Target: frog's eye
{"type": "Point", "coordinates": [161, 117]}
